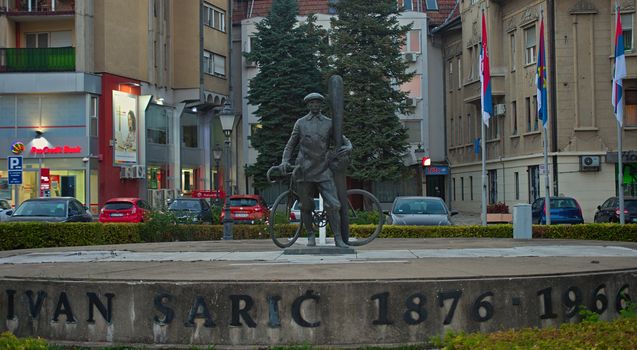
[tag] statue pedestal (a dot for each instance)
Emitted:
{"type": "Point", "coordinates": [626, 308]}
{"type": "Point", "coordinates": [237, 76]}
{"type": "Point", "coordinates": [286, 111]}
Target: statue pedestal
{"type": "Point", "coordinates": [318, 250]}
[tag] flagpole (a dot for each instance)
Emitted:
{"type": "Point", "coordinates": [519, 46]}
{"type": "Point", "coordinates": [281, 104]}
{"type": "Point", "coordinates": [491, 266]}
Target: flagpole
{"type": "Point", "coordinates": [542, 105]}
{"type": "Point", "coordinates": [485, 108]}
{"type": "Point", "coordinates": [483, 214]}
{"type": "Point", "coordinates": [619, 110]}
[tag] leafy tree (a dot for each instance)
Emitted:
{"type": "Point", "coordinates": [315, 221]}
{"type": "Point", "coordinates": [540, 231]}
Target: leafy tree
{"type": "Point", "coordinates": [366, 42]}
{"type": "Point", "coordinates": [288, 56]}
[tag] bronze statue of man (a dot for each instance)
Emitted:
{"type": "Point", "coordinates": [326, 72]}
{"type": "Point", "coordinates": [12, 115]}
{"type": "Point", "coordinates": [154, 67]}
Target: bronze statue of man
{"type": "Point", "coordinates": [315, 162]}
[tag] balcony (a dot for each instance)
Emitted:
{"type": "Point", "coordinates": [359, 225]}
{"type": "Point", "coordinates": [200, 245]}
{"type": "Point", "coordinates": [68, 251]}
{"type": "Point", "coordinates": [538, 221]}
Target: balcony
{"type": "Point", "coordinates": [53, 59]}
{"type": "Point", "coordinates": [30, 8]}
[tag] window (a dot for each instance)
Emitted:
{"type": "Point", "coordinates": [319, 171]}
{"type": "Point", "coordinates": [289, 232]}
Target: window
{"type": "Point", "coordinates": [474, 56]}
{"type": "Point", "coordinates": [516, 178]}
{"type": "Point", "coordinates": [627, 31]}
{"type": "Point", "coordinates": [214, 64]}
{"type": "Point", "coordinates": [92, 114]}
{"type": "Point", "coordinates": [471, 187]}
{"type": "Point", "coordinates": [460, 133]}
{"type": "Point", "coordinates": [528, 114]}
{"type": "Point", "coordinates": [512, 52]}
{"type": "Point", "coordinates": [453, 133]}
{"type": "Point", "coordinates": [412, 87]}
{"type": "Point", "coordinates": [469, 131]}
{"type": "Point", "coordinates": [454, 188]}
{"type": "Point", "coordinates": [406, 5]}
{"type": "Point", "coordinates": [431, 5]}
{"type": "Point", "coordinates": [535, 113]}
{"type": "Point", "coordinates": [492, 130]}
{"type": "Point", "coordinates": [413, 41]}
{"type": "Point", "coordinates": [462, 188]}
{"type": "Point", "coordinates": [214, 17]}
{"type": "Point", "coordinates": [534, 182]}
{"type": "Point", "coordinates": [189, 130]}
{"type": "Point", "coordinates": [529, 39]}
{"type": "Point", "coordinates": [514, 118]}
{"type": "Point", "coordinates": [630, 113]}
{"type": "Point", "coordinates": [157, 126]}
{"type": "Point", "coordinates": [459, 72]}
{"type": "Point", "coordinates": [450, 75]}
{"type": "Point", "coordinates": [332, 9]}
{"type": "Point", "coordinates": [37, 40]}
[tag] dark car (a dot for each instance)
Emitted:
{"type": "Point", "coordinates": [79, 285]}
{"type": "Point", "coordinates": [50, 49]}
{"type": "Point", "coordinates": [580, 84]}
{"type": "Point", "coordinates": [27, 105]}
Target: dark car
{"type": "Point", "coordinates": [418, 210]}
{"type": "Point", "coordinates": [57, 209]}
{"type": "Point", "coordinates": [5, 210]}
{"type": "Point", "coordinates": [609, 210]}
{"type": "Point", "coordinates": [191, 210]}
{"type": "Point", "coordinates": [125, 209]}
{"type": "Point", "coordinates": [247, 209]}
{"type": "Point", "coordinates": [564, 210]}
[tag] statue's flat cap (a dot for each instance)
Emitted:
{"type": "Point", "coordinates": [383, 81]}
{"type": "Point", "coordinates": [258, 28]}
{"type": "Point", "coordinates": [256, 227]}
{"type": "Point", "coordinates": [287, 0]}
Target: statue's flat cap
{"type": "Point", "coordinates": [313, 96]}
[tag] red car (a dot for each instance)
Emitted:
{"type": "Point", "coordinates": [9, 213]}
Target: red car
{"type": "Point", "coordinates": [247, 209]}
{"type": "Point", "coordinates": [125, 210]}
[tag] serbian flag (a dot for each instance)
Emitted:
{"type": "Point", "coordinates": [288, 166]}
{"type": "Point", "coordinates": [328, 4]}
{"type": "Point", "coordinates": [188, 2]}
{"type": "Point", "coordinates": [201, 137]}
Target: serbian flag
{"type": "Point", "coordinates": [485, 77]}
{"type": "Point", "coordinates": [620, 71]}
{"type": "Point", "coordinates": [540, 78]}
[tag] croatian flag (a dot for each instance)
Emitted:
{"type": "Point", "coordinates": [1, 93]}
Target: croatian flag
{"type": "Point", "coordinates": [620, 71]}
{"type": "Point", "coordinates": [540, 78]}
{"type": "Point", "coordinates": [485, 77]}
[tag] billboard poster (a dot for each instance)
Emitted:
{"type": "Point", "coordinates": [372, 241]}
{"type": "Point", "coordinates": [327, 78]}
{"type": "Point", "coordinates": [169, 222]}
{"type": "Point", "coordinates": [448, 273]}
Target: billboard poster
{"type": "Point", "coordinates": [125, 128]}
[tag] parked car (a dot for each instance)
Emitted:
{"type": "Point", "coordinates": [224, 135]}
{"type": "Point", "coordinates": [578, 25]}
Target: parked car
{"type": "Point", "coordinates": [564, 210]}
{"type": "Point", "coordinates": [125, 210]}
{"type": "Point", "coordinates": [56, 209]}
{"type": "Point", "coordinates": [295, 211]}
{"type": "Point", "coordinates": [191, 210]}
{"type": "Point", "coordinates": [609, 210]}
{"type": "Point", "coordinates": [247, 209]}
{"type": "Point", "coordinates": [418, 210]}
{"type": "Point", "coordinates": [5, 210]}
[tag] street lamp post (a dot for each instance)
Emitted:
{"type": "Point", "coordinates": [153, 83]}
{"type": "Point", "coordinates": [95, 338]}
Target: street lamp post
{"type": "Point", "coordinates": [226, 116]}
{"type": "Point", "coordinates": [419, 153]}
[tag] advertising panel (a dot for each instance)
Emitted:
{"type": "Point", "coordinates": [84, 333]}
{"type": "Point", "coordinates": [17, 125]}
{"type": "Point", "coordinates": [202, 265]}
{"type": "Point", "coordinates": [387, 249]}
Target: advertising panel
{"type": "Point", "coordinates": [125, 128]}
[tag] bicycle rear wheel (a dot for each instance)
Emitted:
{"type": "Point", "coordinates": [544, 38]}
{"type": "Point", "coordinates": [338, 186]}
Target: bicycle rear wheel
{"type": "Point", "coordinates": [285, 225]}
{"type": "Point", "coordinates": [364, 208]}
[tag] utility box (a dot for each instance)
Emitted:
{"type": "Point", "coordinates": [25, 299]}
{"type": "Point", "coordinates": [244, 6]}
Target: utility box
{"type": "Point", "coordinates": [522, 223]}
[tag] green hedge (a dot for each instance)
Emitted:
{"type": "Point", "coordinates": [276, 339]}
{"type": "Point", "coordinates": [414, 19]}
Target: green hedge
{"type": "Point", "coordinates": [40, 235]}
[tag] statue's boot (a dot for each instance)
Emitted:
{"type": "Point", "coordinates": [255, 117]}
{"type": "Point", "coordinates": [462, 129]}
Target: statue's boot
{"type": "Point", "coordinates": [335, 223]}
{"type": "Point", "coordinates": [311, 235]}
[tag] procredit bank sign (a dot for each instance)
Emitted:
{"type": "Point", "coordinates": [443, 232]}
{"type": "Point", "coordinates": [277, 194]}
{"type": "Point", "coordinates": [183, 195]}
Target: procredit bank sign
{"type": "Point", "coordinates": [64, 149]}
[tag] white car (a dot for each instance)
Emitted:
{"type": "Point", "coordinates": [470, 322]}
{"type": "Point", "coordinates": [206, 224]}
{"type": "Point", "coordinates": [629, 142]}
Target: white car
{"type": "Point", "coordinates": [295, 212]}
{"type": "Point", "coordinates": [5, 209]}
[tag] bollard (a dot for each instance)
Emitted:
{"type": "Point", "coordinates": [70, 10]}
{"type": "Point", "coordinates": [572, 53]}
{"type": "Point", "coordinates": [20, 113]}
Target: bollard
{"type": "Point", "coordinates": [522, 228]}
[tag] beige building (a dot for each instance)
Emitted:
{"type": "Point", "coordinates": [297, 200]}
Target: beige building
{"type": "Point", "coordinates": [70, 58]}
{"type": "Point", "coordinates": [582, 129]}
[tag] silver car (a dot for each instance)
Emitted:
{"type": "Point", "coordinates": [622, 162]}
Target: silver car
{"type": "Point", "coordinates": [295, 212]}
{"type": "Point", "coordinates": [419, 211]}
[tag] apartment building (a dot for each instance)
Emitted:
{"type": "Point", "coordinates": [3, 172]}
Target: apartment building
{"type": "Point", "coordinates": [112, 98]}
{"type": "Point", "coordinates": [425, 118]}
{"type": "Point", "coordinates": [582, 129]}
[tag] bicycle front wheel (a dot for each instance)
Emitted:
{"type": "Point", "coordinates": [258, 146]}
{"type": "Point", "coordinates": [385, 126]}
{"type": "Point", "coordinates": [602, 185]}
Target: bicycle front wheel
{"type": "Point", "coordinates": [285, 223]}
{"type": "Point", "coordinates": [364, 209]}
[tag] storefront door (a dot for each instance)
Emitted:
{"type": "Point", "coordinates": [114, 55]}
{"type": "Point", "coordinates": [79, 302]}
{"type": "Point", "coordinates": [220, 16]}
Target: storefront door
{"type": "Point", "coordinates": [68, 186]}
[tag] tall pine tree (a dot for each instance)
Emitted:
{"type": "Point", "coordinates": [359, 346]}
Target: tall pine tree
{"type": "Point", "coordinates": [288, 57]}
{"type": "Point", "coordinates": [366, 42]}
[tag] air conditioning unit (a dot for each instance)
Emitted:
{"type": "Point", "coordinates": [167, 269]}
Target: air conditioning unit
{"type": "Point", "coordinates": [410, 57]}
{"type": "Point", "coordinates": [138, 171]}
{"type": "Point", "coordinates": [500, 109]}
{"type": "Point", "coordinates": [125, 172]}
{"type": "Point", "coordinates": [589, 163]}
{"type": "Point", "coordinates": [411, 102]}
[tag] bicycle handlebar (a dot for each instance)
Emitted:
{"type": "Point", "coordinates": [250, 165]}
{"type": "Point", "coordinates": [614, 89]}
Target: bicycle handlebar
{"type": "Point", "coordinates": [280, 170]}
